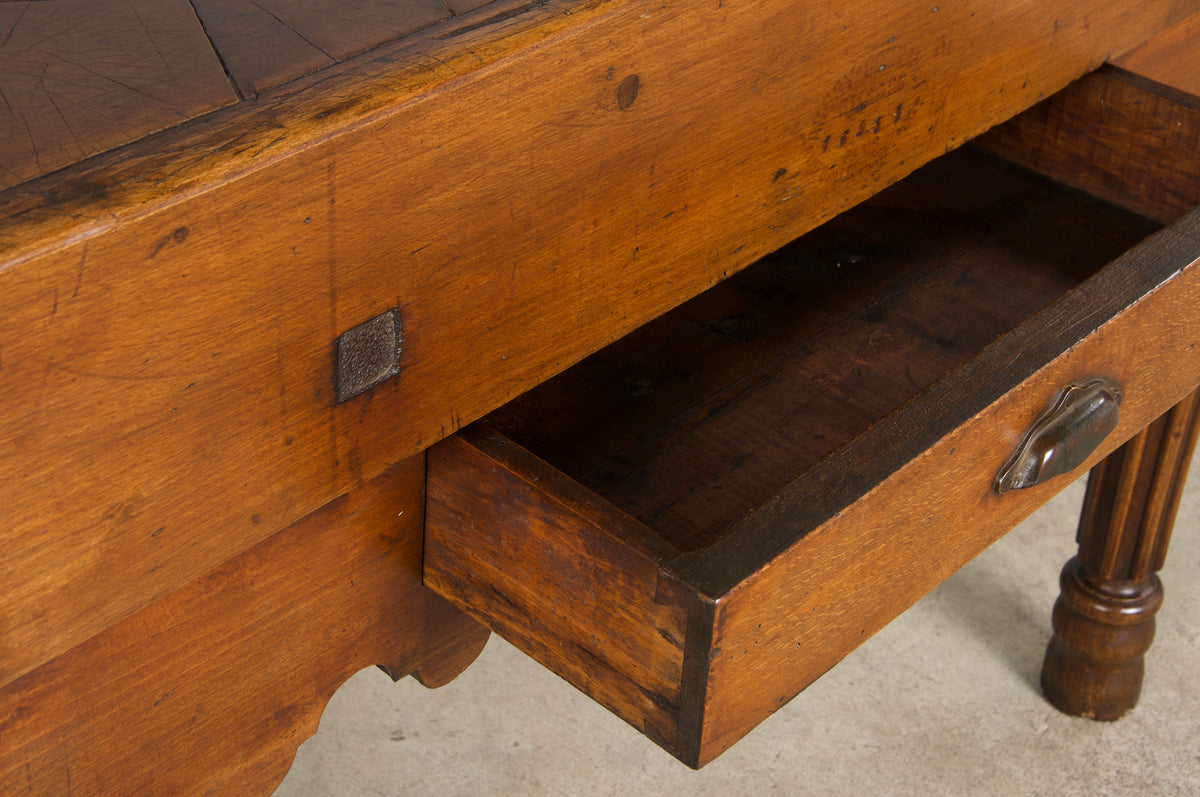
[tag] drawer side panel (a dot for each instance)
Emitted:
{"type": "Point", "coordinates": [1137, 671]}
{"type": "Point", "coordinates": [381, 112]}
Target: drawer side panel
{"type": "Point", "coordinates": [1115, 135]}
{"type": "Point", "coordinates": [506, 543]}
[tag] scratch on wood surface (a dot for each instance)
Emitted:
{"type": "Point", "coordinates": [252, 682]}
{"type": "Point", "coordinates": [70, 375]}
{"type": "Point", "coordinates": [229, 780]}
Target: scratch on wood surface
{"type": "Point", "coordinates": [443, 63]}
{"type": "Point", "coordinates": [298, 34]}
{"type": "Point", "coordinates": [37, 160]}
{"type": "Point", "coordinates": [503, 16]}
{"type": "Point", "coordinates": [154, 43]}
{"type": "Point", "coordinates": [16, 22]}
{"type": "Point", "coordinates": [164, 103]}
{"type": "Point", "coordinates": [79, 274]}
{"type": "Point", "coordinates": [54, 366]}
{"type": "Point", "coordinates": [267, 146]}
{"type": "Point", "coordinates": [58, 112]}
{"type": "Point", "coordinates": [331, 243]}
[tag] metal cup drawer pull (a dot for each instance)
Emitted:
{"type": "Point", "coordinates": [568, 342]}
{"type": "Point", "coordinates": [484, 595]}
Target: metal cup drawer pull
{"type": "Point", "coordinates": [1064, 436]}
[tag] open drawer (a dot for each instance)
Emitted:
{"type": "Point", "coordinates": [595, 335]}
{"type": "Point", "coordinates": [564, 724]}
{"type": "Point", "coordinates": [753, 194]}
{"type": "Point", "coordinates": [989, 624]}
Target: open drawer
{"type": "Point", "coordinates": [696, 522]}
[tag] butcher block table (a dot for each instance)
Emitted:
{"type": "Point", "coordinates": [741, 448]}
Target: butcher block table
{"type": "Point", "coordinates": [684, 345]}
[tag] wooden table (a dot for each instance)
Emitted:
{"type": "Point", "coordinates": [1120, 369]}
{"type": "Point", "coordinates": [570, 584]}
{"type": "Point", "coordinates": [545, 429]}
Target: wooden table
{"type": "Point", "coordinates": [256, 259]}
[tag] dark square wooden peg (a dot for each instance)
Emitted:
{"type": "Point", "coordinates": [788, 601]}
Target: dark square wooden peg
{"type": "Point", "coordinates": [368, 354]}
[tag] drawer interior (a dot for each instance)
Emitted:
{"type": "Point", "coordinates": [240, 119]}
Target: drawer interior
{"type": "Point", "coordinates": [699, 417]}
{"type": "Point", "coordinates": [696, 522]}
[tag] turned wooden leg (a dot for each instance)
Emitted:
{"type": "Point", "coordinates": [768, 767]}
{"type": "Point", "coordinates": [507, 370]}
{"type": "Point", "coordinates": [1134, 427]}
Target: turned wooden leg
{"type": "Point", "coordinates": [1104, 618]}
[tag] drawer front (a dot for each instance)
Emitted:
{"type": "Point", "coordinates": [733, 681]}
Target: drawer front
{"type": "Point", "coordinates": [809, 607]}
{"type": "Point", "coordinates": [695, 644]}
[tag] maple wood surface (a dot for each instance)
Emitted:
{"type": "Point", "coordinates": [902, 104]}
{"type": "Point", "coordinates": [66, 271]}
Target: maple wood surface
{"type": "Point", "coordinates": [178, 328]}
{"type": "Point", "coordinates": [212, 688]}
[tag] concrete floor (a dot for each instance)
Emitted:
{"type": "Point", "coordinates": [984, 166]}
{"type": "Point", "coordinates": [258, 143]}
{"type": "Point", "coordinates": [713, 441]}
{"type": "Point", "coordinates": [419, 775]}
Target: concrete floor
{"type": "Point", "coordinates": [942, 702]}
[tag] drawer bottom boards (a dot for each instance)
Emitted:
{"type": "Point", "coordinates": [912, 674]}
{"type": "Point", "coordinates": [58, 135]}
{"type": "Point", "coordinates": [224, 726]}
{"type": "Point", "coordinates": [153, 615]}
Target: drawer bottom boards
{"type": "Point", "coordinates": [696, 522]}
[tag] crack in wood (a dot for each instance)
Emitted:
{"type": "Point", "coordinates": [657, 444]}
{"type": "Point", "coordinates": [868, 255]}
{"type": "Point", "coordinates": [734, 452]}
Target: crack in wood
{"type": "Point", "coordinates": [233, 84]}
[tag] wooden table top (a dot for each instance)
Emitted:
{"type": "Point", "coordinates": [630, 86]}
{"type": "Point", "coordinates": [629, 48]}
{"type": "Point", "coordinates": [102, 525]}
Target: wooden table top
{"type": "Point", "coordinates": [80, 77]}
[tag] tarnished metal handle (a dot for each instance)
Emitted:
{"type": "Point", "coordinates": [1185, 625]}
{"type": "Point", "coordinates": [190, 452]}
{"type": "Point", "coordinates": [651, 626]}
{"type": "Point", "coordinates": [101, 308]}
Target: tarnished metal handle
{"type": "Point", "coordinates": [1063, 437]}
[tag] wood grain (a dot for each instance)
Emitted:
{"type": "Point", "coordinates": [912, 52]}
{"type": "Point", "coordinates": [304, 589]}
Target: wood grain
{"type": "Point", "coordinates": [290, 472]}
{"type": "Point", "coordinates": [1115, 135]}
{"type": "Point", "coordinates": [264, 43]}
{"type": "Point", "coordinates": [1172, 57]}
{"type": "Point", "coordinates": [575, 582]}
{"type": "Point", "coordinates": [848, 531]}
{"type": "Point", "coordinates": [78, 77]}
{"type": "Point", "coordinates": [212, 688]}
{"type": "Point", "coordinates": [810, 606]}
{"type": "Point", "coordinates": [1104, 618]}
{"type": "Point", "coordinates": [168, 314]}
{"type": "Point", "coordinates": [463, 6]}
{"type": "Point", "coordinates": [697, 419]}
